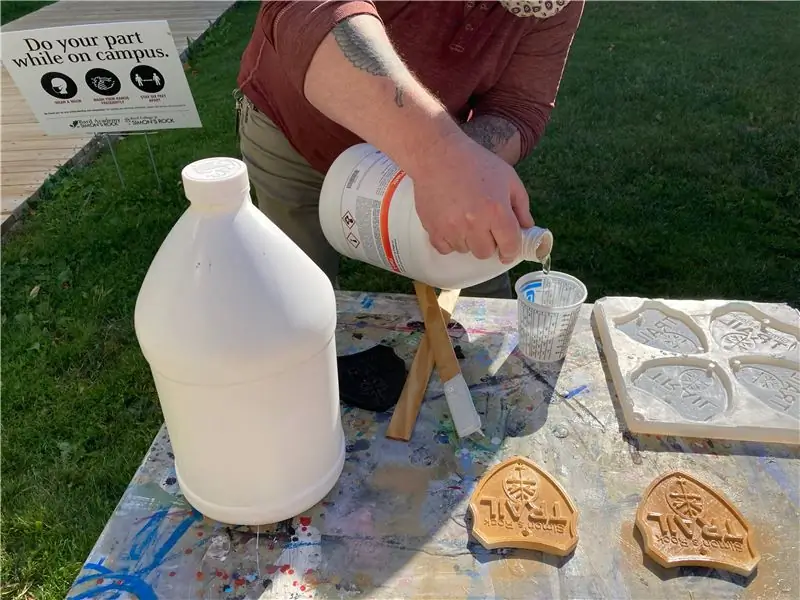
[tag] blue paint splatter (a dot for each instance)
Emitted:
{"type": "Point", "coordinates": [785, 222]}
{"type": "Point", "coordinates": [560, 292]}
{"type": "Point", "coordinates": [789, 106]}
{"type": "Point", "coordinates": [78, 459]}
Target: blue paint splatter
{"type": "Point", "coordinates": [367, 302]}
{"type": "Point", "coordinates": [133, 581]}
{"type": "Point", "coordinates": [575, 392]}
{"type": "Point", "coordinates": [442, 438]}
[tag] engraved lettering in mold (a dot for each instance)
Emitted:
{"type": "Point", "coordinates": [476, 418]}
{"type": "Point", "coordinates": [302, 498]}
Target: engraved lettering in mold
{"type": "Point", "coordinates": [686, 526]}
{"type": "Point", "coordinates": [696, 394]}
{"type": "Point", "coordinates": [776, 386]}
{"type": "Point", "coordinates": [740, 331]}
{"type": "Point", "coordinates": [653, 328]}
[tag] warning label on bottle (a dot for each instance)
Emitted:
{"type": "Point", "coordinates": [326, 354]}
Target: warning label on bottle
{"type": "Point", "coordinates": [365, 207]}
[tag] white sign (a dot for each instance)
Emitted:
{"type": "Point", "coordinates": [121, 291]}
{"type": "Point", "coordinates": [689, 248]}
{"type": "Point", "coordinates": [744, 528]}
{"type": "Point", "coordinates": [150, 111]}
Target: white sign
{"type": "Point", "coordinates": [102, 77]}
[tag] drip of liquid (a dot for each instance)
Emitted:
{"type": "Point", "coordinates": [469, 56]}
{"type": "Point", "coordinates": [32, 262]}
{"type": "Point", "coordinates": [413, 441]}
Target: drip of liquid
{"type": "Point", "coordinates": [546, 292]}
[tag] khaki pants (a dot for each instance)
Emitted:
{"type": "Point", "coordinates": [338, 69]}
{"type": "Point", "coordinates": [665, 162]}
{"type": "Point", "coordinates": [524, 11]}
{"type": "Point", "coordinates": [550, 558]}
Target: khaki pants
{"type": "Point", "coordinates": [287, 188]}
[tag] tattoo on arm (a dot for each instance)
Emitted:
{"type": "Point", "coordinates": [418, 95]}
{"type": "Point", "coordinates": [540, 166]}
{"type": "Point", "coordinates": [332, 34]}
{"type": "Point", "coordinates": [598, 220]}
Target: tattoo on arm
{"type": "Point", "coordinates": [367, 55]}
{"type": "Point", "coordinates": [490, 132]}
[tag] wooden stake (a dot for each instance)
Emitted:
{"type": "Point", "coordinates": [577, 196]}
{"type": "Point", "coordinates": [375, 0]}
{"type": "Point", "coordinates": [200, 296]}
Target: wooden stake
{"type": "Point", "coordinates": [405, 413]}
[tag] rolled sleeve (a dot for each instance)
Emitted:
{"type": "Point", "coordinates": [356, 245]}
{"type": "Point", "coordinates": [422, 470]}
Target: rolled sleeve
{"type": "Point", "coordinates": [295, 29]}
{"type": "Point", "coordinates": [526, 92]}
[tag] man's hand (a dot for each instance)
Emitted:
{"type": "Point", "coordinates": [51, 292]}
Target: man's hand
{"type": "Point", "coordinates": [470, 200]}
{"type": "Point", "coordinates": [467, 198]}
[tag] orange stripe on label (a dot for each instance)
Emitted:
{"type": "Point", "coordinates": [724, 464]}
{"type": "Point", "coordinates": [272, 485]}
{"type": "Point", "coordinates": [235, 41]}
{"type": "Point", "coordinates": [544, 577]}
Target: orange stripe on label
{"type": "Point", "coordinates": [386, 241]}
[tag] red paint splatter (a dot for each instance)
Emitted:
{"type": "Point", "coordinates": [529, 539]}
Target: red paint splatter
{"type": "Point", "coordinates": [187, 551]}
{"type": "Point", "coordinates": [172, 573]}
{"type": "Point", "coordinates": [239, 582]}
{"type": "Point", "coordinates": [271, 570]}
{"type": "Point", "coordinates": [199, 534]}
{"type": "Point", "coordinates": [119, 582]}
{"type": "Point", "coordinates": [218, 573]}
{"type": "Point", "coordinates": [99, 581]}
{"type": "Point", "coordinates": [309, 571]}
{"type": "Point", "coordinates": [284, 568]}
{"type": "Point", "coordinates": [530, 408]}
{"type": "Point", "coordinates": [294, 583]}
{"type": "Point", "coordinates": [302, 588]}
{"type": "Point", "coordinates": [290, 571]}
{"type": "Point", "coordinates": [305, 521]}
{"type": "Point", "coordinates": [198, 575]}
{"type": "Point", "coordinates": [304, 528]}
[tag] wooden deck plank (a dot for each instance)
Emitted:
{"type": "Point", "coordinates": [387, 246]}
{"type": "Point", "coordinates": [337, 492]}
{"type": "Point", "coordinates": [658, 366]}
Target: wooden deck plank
{"type": "Point", "coordinates": [28, 156]}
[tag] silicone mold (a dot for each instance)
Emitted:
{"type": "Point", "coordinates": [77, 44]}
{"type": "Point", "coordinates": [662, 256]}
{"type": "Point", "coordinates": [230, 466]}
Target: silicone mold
{"type": "Point", "coordinates": [711, 369]}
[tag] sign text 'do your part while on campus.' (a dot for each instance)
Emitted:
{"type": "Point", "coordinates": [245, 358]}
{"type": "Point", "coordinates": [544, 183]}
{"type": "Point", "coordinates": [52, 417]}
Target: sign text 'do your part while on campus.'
{"type": "Point", "coordinates": [101, 78]}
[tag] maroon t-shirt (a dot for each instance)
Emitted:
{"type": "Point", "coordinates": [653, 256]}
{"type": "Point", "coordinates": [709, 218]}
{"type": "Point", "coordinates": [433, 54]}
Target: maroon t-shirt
{"type": "Point", "coordinates": [476, 57]}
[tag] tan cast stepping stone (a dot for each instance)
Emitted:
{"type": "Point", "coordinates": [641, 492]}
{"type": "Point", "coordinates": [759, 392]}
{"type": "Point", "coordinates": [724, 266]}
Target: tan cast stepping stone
{"type": "Point", "coordinates": [686, 523]}
{"type": "Point", "coordinates": [517, 504]}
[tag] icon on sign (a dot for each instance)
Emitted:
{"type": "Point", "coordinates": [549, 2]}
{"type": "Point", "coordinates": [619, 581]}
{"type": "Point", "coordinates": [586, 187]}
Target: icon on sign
{"type": "Point", "coordinates": [103, 82]}
{"type": "Point", "coordinates": [348, 220]}
{"type": "Point", "coordinates": [58, 85]}
{"type": "Point", "coordinates": [353, 240]}
{"type": "Point", "coordinates": [147, 79]}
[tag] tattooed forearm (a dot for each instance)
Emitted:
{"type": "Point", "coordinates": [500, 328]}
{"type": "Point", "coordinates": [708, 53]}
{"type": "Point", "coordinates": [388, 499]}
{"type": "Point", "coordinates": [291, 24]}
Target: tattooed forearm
{"type": "Point", "coordinates": [490, 132]}
{"type": "Point", "coordinates": [373, 57]}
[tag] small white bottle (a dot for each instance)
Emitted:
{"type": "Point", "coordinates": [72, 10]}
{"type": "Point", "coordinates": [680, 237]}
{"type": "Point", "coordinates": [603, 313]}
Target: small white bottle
{"type": "Point", "coordinates": [238, 324]}
{"type": "Point", "coordinates": [367, 213]}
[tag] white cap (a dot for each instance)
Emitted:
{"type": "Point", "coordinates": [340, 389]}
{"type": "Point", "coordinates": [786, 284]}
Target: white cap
{"type": "Point", "coordinates": [216, 181]}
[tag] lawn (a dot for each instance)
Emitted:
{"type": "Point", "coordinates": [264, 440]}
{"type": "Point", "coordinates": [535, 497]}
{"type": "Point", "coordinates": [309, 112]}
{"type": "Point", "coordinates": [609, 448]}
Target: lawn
{"type": "Point", "coordinates": [671, 168]}
{"type": "Point", "coordinates": [11, 10]}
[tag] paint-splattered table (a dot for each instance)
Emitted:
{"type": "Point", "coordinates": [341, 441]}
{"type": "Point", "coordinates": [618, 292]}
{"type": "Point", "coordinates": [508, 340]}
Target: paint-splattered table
{"type": "Point", "coordinates": [394, 525]}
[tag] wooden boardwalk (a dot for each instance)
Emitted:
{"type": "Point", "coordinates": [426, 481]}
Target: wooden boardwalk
{"type": "Point", "coordinates": [27, 156]}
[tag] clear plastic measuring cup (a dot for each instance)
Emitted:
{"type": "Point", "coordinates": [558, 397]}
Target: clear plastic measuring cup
{"type": "Point", "coordinates": [547, 309]}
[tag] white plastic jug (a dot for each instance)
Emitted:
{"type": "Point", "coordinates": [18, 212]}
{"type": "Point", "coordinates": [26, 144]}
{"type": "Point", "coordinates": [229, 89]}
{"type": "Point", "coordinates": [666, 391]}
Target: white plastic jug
{"type": "Point", "coordinates": [237, 324]}
{"type": "Point", "coordinates": [367, 212]}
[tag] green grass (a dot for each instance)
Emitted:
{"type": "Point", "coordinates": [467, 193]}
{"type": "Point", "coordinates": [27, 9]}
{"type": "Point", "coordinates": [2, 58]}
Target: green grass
{"type": "Point", "coordinates": [671, 168]}
{"type": "Point", "coordinates": [10, 10]}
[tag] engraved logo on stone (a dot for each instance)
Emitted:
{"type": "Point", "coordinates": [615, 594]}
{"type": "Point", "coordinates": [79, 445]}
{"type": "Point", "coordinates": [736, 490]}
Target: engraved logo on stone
{"type": "Point", "coordinates": [741, 332]}
{"type": "Point", "coordinates": [696, 393]}
{"type": "Point", "coordinates": [214, 168]}
{"type": "Point", "coordinates": [685, 523]}
{"type": "Point", "coordinates": [518, 505]}
{"type": "Point", "coordinates": [776, 383]}
{"type": "Point", "coordinates": [657, 329]}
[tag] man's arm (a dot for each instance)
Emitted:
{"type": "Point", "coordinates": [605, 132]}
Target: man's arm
{"type": "Point", "coordinates": [511, 117]}
{"type": "Point", "coordinates": [357, 79]}
{"type": "Point", "coordinates": [497, 135]}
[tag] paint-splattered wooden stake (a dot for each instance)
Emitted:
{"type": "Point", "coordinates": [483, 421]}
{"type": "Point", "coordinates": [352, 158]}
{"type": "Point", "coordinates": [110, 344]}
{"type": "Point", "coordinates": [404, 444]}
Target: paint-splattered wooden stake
{"type": "Point", "coordinates": [405, 413]}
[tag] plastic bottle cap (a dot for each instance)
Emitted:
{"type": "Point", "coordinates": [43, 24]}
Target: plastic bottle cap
{"type": "Point", "coordinates": [216, 181]}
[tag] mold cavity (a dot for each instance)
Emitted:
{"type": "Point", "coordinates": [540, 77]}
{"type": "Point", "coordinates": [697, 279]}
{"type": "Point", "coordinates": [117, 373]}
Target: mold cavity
{"type": "Point", "coordinates": [741, 327]}
{"type": "Point", "coordinates": [696, 389]}
{"type": "Point", "coordinates": [659, 326]}
{"type": "Point", "coordinates": [773, 381]}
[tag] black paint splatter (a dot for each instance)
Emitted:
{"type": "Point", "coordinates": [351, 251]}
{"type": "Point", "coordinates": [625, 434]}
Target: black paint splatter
{"type": "Point", "coordinates": [459, 352]}
{"type": "Point", "coordinates": [266, 583]}
{"type": "Point", "coordinates": [170, 481]}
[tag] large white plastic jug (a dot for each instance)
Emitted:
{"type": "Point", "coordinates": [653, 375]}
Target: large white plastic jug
{"type": "Point", "coordinates": [238, 324]}
{"type": "Point", "coordinates": [367, 212]}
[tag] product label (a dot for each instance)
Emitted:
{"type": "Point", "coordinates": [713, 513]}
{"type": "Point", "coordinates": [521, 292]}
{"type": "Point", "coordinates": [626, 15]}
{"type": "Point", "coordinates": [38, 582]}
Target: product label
{"type": "Point", "coordinates": [365, 207]}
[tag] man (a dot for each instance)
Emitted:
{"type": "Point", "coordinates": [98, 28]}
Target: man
{"type": "Point", "coordinates": [454, 92]}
